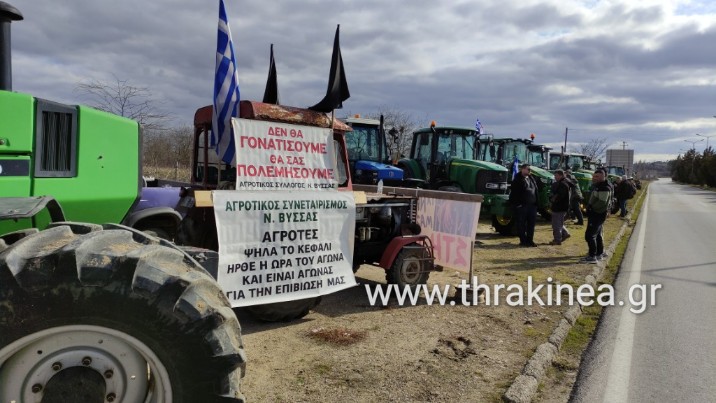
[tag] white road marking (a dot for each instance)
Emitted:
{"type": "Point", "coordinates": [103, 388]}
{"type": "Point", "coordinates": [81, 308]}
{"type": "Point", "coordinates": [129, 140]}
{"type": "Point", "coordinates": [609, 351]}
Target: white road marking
{"type": "Point", "coordinates": [617, 389]}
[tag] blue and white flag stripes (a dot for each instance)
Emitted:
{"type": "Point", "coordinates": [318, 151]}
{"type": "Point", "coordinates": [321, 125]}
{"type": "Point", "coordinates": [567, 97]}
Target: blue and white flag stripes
{"type": "Point", "coordinates": [478, 126]}
{"type": "Point", "coordinates": [515, 167]}
{"type": "Point", "coordinates": [226, 91]}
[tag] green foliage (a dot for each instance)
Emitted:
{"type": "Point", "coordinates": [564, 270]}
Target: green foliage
{"type": "Point", "coordinates": [695, 168]}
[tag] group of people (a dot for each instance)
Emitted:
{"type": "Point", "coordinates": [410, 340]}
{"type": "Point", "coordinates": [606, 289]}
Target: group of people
{"type": "Point", "coordinates": [566, 197]}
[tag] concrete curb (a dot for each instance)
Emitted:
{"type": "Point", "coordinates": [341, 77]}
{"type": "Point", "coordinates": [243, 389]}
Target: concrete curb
{"type": "Point", "coordinates": [524, 387]}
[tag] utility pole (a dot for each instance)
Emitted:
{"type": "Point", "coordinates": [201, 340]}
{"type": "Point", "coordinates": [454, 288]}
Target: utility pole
{"type": "Point", "coordinates": [624, 144]}
{"type": "Point", "coordinates": [564, 150]}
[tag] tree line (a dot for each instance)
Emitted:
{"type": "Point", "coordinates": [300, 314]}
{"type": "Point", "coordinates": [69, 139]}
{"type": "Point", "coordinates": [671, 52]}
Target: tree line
{"type": "Point", "coordinates": [695, 168]}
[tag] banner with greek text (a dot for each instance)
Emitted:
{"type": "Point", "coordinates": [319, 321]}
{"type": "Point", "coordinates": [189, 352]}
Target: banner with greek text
{"type": "Point", "coordinates": [279, 156]}
{"type": "Point", "coordinates": [281, 246]}
{"type": "Point", "coordinates": [452, 226]}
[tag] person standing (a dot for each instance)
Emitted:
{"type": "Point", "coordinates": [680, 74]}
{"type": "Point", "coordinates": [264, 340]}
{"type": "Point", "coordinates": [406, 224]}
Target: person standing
{"type": "Point", "coordinates": [597, 210]}
{"type": "Point", "coordinates": [523, 197]}
{"type": "Point", "coordinates": [622, 192]}
{"type": "Point", "coordinates": [560, 205]}
{"type": "Point", "coordinates": [575, 198]}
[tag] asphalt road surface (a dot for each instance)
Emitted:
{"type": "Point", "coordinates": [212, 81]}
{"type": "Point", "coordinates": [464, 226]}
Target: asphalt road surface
{"type": "Point", "coordinates": [667, 353]}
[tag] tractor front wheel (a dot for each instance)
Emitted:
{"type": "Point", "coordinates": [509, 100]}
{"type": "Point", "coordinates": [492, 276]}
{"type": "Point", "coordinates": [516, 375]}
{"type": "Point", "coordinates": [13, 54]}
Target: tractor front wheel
{"type": "Point", "coordinates": [409, 267]}
{"type": "Point", "coordinates": [129, 317]}
{"type": "Point", "coordinates": [504, 225]}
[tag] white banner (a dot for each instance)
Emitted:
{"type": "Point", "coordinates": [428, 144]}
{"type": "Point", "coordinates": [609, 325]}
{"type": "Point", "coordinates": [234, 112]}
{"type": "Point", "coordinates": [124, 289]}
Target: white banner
{"type": "Point", "coordinates": [281, 246]}
{"type": "Point", "coordinates": [452, 226]}
{"type": "Point", "coordinates": [279, 156]}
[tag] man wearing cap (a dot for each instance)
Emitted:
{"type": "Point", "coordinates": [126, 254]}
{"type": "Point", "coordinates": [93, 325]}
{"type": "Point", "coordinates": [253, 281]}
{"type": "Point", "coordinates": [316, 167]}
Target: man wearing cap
{"type": "Point", "coordinates": [523, 198]}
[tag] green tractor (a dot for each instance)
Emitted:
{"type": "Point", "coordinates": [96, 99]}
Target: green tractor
{"type": "Point", "coordinates": [505, 151]}
{"type": "Point", "coordinates": [445, 158]}
{"type": "Point", "coordinates": [126, 315]}
{"type": "Point", "coordinates": [614, 172]}
{"type": "Point", "coordinates": [578, 163]}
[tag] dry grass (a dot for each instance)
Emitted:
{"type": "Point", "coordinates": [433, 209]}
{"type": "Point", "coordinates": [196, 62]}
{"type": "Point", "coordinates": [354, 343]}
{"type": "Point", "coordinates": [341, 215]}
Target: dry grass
{"type": "Point", "coordinates": [340, 336]}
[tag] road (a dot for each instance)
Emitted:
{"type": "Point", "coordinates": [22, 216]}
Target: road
{"type": "Point", "coordinates": [668, 352]}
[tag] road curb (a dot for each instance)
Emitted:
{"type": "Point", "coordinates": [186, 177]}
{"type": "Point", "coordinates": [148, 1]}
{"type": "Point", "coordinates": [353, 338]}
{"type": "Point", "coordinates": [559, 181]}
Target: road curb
{"type": "Point", "coordinates": [524, 387]}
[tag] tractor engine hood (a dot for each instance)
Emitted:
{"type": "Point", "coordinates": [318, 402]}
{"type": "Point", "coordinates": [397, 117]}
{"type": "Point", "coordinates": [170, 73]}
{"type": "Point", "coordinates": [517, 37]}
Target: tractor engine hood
{"type": "Point", "coordinates": [478, 164]}
{"type": "Point", "coordinates": [383, 171]}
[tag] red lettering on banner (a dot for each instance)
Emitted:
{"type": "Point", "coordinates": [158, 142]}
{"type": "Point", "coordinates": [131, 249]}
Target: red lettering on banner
{"type": "Point", "coordinates": [269, 171]}
{"type": "Point", "coordinates": [450, 248]}
{"type": "Point", "coordinates": [282, 132]}
{"type": "Point", "coordinates": [277, 131]}
{"type": "Point", "coordinates": [294, 160]}
{"type": "Point", "coordinates": [282, 145]}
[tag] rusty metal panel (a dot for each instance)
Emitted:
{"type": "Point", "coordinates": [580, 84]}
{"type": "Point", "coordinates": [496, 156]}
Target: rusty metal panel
{"type": "Point", "coordinates": [274, 113]}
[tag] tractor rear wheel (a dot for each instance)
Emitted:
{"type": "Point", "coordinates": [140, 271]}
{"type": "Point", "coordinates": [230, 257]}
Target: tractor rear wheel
{"type": "Point", "coordinates": [283, 311]}
{"type": "Point", "coordinates": [409, 267]}
{"type": "Point", "coordinates": [129, 317]}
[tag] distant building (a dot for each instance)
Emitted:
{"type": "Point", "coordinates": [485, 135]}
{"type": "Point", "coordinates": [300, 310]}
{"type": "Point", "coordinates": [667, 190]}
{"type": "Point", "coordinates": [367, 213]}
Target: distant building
{"type": "Point", "coordinates": [621, 158]}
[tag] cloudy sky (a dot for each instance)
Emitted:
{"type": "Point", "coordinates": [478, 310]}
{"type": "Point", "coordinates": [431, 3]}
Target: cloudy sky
{"type": "Point", "coordinates": [643, 71]}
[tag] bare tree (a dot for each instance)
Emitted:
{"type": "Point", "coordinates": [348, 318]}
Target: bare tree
{"type": "Point", "coordinates": [122, 98]}
{"type": "Point", "coordinates": [167, 153]}
{"type": "Point", "coordinates": [595, 148]}
{"type": "Point", "coordinates": [399, 126]}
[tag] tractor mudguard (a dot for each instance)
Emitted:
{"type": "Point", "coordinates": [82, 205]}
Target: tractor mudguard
{"type": "Point", "coordinates": [165, 213]}
{"type": "Point", "coordinates": [395, 246]}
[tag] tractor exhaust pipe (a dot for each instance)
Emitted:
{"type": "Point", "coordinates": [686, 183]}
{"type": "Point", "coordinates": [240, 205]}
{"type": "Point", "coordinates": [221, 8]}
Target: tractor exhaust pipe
{"type": "Point", "coordinates": [8, 14]}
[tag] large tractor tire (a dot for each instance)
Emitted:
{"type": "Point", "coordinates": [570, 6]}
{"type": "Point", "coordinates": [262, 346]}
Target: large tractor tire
{"type": "Point", "coordinates": [504, 225]}
{"type": "Point", "coordinates": [128, 317]}
{"type": "Point", "coordinates": [283, 311]}
{"type": "Point", "coordinates": [409, 268]}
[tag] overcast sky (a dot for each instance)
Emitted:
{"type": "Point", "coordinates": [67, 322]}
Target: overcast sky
{"type": "Point", "coordinates": [643, 71]}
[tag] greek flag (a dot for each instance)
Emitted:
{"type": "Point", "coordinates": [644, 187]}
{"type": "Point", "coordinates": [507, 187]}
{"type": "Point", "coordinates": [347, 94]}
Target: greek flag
{"type": "Point", "coordinates": [515, 167]}
{"type": "Point", "coordinates": [478, 126]}
{"type": "Point", "coordinates": [226, 91]}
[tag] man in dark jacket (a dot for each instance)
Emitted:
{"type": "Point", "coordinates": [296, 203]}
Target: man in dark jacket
{"type": "Point", "coordinates": [600, 199]}
{"type": "Point", "coordinates": [575, 198]}
{"type": "Point", "coordinates": [622, 192]}
{"type": "Point", "coordinates": [559, 206]}
{"type": "Point", "coordinates": [523, 197]}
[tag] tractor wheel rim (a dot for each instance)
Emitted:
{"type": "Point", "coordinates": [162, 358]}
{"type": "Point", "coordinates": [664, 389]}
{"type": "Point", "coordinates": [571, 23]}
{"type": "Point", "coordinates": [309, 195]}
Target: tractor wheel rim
{"type": "Point", "coordinates": [131, 370]}
{"type": "Point", "coordinates": [411, 270]}
{"type": "Point", "coordinates": [502, 220]}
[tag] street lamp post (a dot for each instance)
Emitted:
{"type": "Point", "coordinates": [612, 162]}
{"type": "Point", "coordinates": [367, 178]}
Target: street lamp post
{"type": "Point", "coordinates": [693, 143]}
{"type": "Point", "coordinates": [693, 157]}
{"type": "Point", "coordinates": [707, 138]}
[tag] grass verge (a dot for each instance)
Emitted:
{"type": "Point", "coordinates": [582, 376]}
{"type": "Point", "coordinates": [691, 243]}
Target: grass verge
{"type": "Point", "coordinates": [560, 378]}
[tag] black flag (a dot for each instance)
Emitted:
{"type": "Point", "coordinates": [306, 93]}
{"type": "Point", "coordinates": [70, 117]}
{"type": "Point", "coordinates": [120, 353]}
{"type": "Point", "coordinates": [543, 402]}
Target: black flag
{"type": "Point", "coordinates": [271, 92]}
{"type": "Point", "coordinates": [337, 85]}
